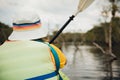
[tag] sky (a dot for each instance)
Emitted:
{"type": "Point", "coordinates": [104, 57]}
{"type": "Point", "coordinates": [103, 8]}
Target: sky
{"type": "Point", "coordinates": [54, 13]}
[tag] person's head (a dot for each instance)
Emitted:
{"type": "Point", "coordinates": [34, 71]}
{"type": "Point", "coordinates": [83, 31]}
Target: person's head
{"type": "Point", "coordinates": [27, 27]}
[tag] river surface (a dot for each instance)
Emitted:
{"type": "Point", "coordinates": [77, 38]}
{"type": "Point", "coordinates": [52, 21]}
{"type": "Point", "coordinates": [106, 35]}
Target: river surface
{"type": "Point", "coordinates": [84, 64]}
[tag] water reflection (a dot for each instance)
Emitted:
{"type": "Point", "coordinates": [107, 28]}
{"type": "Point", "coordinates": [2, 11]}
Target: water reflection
{"type": "Point", "coordinates": [84, 64]}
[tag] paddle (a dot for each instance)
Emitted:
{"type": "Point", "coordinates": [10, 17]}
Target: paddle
{"type": "Point", "coordinates": [83, 4]}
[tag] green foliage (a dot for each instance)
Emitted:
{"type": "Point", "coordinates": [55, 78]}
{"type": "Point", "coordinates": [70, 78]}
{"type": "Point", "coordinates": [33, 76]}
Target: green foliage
{"type": "Point", "coordinates": [98, 33]}
{"type": "Point", "coordinates": [5, 31]}
{"type": "Point", "coordinates": [116, 30]}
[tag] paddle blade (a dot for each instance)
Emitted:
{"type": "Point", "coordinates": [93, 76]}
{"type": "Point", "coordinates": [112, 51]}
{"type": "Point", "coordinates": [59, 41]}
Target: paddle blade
{"type": "Point", "coordinates": [83, 4]}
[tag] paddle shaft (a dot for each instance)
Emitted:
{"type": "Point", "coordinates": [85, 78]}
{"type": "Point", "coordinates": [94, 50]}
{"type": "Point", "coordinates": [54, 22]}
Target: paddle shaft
{"type": "Point", "coordinates": [63, 27]}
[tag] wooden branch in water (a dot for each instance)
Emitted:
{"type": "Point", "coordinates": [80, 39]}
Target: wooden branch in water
{"type": "Point", "coordinates": [98, 46]}
{"type": "Point", "coordinates": [111, 54]}
{"type": "Point", "coordinates": [113, 57]}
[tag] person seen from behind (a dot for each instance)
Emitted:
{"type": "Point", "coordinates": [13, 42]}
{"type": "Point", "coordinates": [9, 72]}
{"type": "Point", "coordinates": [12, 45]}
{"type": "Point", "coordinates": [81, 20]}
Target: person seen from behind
{"type": "Point", "coordinates": [27, 56]}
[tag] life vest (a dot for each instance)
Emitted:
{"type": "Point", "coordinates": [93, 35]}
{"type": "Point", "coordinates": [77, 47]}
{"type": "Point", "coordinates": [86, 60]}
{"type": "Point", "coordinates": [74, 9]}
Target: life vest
{"type": "Point", "coordinates": [26, 60]}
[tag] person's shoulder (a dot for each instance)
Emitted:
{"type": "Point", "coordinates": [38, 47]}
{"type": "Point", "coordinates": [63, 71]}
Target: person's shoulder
{"type": "Point", "coordinates": [54, 46]}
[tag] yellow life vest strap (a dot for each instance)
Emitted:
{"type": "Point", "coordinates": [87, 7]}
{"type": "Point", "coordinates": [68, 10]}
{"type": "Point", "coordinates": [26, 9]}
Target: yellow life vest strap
{"type": "Point", "coordinates": [57, 61]}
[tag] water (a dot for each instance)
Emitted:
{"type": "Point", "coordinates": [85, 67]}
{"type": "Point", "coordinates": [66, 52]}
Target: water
{"type": "Point", "coordinates": [83, 64]}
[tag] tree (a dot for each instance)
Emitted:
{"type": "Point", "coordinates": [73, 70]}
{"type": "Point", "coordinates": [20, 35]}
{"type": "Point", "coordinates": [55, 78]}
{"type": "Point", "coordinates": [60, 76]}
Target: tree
{"type": "Point", "coordinates": [5, 31]}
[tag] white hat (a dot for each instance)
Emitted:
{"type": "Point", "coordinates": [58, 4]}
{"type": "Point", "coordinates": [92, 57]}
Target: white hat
{"type": "Point", "coordinates": [28, 27]}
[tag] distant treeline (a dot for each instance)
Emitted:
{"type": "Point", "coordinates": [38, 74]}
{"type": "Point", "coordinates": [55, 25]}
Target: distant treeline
{"type": "Point", "coordinates": [68, 37]}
